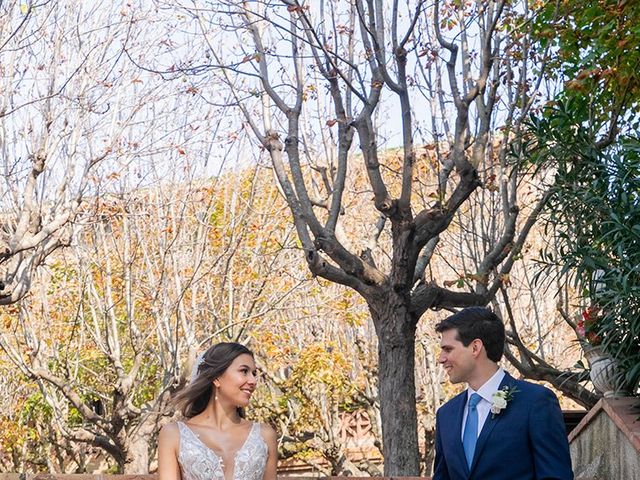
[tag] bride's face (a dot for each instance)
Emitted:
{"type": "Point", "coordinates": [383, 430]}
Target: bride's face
{"type": "Point", "coordinates": [237, 383]}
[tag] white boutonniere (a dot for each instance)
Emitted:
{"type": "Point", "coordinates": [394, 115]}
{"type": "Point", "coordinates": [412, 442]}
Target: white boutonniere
{"type": "Point", "coordinates": [501, 398]}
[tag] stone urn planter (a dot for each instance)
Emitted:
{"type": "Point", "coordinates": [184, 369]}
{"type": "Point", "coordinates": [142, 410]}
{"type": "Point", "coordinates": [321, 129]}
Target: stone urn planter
{"type": "Point", "coordinates": [603, 372]}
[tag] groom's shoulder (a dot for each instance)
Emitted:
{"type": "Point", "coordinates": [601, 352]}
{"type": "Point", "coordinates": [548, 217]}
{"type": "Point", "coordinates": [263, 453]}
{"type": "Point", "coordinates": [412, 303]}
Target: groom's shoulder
{"type": "Point", "coordinates": [532, 389]}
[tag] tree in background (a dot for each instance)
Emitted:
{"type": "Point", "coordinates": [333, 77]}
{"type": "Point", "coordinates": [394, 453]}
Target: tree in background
{"type": "Point", "coordinates": [61, 117]}
{"type": "Point", "coordinates": [82, 130]}
{"type": "Point", "coordinates": [118, 319]}
{"type": "Point", "coordinates": [319, 370]}
{"type": "Point", "coordinates": [313, 79]}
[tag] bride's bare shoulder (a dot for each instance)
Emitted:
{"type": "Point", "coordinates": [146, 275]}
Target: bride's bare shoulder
{"type": "Point", "coordinates": [169, 434]}
{"type": "Point", "coordinates": [268, 433]}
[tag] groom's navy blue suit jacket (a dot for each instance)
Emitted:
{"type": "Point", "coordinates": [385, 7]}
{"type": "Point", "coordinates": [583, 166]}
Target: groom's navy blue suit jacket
{"type": "Point", "coordinates": [525, 441]}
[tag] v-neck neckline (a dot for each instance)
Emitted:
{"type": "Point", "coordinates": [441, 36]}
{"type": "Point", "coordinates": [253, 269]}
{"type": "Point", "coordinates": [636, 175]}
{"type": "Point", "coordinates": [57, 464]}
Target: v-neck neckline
{"type": "Point", "coordinates": [220, 457]}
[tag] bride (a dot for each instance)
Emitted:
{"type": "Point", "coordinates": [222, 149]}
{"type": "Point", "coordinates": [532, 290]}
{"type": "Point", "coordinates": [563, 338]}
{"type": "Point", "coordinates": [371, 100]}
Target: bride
{"type": "Point", "coordinates": [215, 442]}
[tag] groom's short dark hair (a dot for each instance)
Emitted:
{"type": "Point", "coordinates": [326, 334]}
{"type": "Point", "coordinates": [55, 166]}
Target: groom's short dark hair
{"type": "Point", "coordinates": [477, 322]}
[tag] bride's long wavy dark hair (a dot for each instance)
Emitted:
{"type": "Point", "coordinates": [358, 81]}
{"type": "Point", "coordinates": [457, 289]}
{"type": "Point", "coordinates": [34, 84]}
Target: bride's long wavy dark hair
{"type": "Point", "coordinates": [194, 398]}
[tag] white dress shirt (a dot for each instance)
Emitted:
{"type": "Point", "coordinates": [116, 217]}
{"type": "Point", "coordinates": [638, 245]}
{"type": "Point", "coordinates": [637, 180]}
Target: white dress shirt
{"type": "Point", "coordinates": [486, 391]}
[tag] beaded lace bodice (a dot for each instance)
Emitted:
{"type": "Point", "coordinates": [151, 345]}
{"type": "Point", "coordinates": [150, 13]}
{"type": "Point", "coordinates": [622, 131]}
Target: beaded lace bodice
{"type": "Point", "coordinates": [199, 462]}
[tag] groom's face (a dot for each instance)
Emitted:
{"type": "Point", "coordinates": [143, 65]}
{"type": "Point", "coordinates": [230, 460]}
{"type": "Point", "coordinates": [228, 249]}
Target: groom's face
{"type": "Point", "coordinates": [457, 360]}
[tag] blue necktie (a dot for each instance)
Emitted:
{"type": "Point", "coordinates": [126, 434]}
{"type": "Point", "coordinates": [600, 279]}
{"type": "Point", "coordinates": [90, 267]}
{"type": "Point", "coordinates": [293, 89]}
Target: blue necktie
{"type": "Point", "coordinates": [470, 436]}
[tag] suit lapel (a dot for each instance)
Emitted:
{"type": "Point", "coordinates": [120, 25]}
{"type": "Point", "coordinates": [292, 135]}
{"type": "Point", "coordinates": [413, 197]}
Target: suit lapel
{"type": "Point", "coordinates": [489, 424]}
{"type": "Point", "coordinates": [459, 413]}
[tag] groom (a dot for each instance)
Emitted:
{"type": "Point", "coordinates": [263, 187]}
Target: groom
{"type": "Point", "coordinates": [499, 428]}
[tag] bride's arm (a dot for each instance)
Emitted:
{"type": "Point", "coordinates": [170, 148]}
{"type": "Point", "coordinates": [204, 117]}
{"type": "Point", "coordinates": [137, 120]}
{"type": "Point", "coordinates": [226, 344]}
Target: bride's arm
{"type": "Point", "coordinates": [168, 445]}
{"type": "Point", "coordinates": [270, 438]}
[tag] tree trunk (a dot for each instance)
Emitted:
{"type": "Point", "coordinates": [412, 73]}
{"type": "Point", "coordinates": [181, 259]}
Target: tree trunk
{"type": "Point", "coordinates": [396, 363]}
{"type": "Point", "coordinates": [137, 456]}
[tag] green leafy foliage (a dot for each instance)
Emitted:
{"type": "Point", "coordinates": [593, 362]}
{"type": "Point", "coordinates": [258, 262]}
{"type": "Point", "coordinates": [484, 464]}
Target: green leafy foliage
{"type": "Point", "coordinates": [595, 50]}
{"type": "Point", "coordinates": [595, 214]}
{"type": "Point", "coordinates": [588, 142]}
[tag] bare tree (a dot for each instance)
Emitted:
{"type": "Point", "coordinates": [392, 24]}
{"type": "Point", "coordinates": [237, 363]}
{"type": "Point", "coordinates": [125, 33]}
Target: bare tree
{"type": "Point", "coordinates": [311, 79]}
{"type": "Point", "coordinates": [59, 119]}
{"type": "Point", "coordinates": [319, 370]}
{"type": "Point", "coordinates": [154, 276]}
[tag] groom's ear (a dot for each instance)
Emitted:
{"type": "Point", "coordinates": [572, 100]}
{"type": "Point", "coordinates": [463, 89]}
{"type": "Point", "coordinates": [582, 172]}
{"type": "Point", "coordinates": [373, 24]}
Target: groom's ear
{"type": "Point", "coordinates": [476, 347]}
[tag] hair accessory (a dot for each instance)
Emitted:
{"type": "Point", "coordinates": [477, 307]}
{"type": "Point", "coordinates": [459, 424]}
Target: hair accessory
{"type": "Point", "coordinates": [196, 366]}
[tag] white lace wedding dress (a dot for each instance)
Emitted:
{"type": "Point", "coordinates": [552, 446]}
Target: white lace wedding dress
{"type": "Point", "coordinates": [199, 462]}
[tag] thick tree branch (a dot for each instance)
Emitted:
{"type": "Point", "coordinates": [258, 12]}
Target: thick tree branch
{"type": "Point", "coordinates": [432, 222]}
{"type": "Point", "coordinates": [430, 296]}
